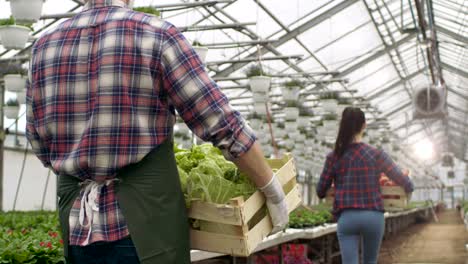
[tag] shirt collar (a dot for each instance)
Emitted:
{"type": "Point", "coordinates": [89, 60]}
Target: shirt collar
{"type": "Point", "coordinates": [103, 3]}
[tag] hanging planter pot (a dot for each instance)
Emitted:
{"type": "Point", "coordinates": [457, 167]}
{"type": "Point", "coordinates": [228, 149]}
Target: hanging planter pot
{"type": "Point", "coordinates": [15, 82]}
{"type": "Point", "coordinates": [21, 97]}
{"type": "Point", "coordinates": [11, 112]}
{"type": "Point", "coordinates": [260, 84]}
{"type": "Point", "coordinates": [260, 109]}
{"type": "Point", "coordinates": [303, 121]}
{"type": "Point", "coordinates": [256, 124]}
{"type": "Point", "coordinates": [329, 105]}
{"type": "Point", "coordinates": [291, 126]}
{"type": "Point", "coordinates": [202, 52]}
{"type": "Point", "coordinates": [14, 36]}
{"type": "Point", "coordinates": [26, 10]}
{"type": "Point", "coordinates": [11, 109]}
{"type": "Point", "coordinates": [292, 113]}
{"type": "Point", "coordinates": [260, 97]}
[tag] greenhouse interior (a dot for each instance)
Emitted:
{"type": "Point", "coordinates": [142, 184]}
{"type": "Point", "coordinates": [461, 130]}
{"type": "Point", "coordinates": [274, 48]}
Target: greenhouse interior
{"type": "Point", "coordinates": [295, 73]}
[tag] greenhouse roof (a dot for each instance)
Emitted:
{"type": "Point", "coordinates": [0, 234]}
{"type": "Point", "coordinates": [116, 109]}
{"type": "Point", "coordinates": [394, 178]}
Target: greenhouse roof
{"type": "Point", "coordinates": [376, 52]}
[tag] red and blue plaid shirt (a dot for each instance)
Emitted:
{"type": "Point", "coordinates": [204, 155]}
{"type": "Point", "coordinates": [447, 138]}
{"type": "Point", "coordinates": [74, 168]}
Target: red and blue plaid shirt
{"type": "Point", "coordinates": [356, 177]}
{"type": "Point", "coordinates": [103, 90]}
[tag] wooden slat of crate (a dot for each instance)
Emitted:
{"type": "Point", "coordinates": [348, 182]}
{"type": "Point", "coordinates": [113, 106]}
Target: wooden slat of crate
{"type": "Point", "coordinates": [234, 215]}
{"type": "Point", "coordinates": [394, 204]}
{"type": "Point", "coordinates": [239, 245]}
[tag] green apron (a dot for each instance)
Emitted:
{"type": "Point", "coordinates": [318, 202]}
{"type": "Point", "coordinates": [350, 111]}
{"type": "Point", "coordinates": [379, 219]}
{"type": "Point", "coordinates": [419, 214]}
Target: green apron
{"type": "Point", "coordinates": [152, 203]}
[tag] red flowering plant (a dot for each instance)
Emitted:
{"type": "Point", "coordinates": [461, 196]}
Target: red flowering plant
{"type": "Point", "coordinates": [30, 237]}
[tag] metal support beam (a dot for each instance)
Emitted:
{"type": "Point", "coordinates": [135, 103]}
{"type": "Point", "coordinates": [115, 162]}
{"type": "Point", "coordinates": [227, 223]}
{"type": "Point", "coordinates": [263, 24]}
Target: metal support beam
{"type": "Point", "coordinates": [396, 110]}
{"type": "Point", "coordinates": [216, 27]}
{"type": "Point", "coordinates": [458, 37]}
{"type": "Point", "coordinates": [384, 90]}
{"type": "Point", "coordinates": [377, 55]}
{"type": "Point", "coordinates": [292, 34]}
{"type": "Point", "coordinates": [286, 57]}
{"type": "Point", "coordinates": [452, 69]}
{"type": "Point", "coordinates": [464, 96]}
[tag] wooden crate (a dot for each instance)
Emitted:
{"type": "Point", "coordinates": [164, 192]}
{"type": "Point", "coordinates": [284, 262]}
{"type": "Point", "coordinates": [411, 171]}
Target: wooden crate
{"type": "Point", "coordinates": [238, 227]}
{"type": "Point", "coordinates": [394, 198]}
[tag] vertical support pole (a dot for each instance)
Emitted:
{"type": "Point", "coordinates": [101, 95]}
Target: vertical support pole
{"type": "Point", "coordinates": [2, 140]}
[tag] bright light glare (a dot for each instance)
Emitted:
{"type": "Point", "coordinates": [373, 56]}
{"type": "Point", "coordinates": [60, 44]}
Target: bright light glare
{"type": "Point", "coordinates": [424, 149]}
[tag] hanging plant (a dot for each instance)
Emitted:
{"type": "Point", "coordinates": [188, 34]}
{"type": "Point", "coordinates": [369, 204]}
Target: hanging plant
{"type": "Point", "coordinates": [200, 50]}
{"type": "Point", "coordinates": [258, 79]}
{"type": "Point", "coordinates": [329, 95]}
{"type": "Point", "coordinates": [254, 71]}
{"type": "Point", "coordinates": [291, 90]}
{"type": "Point", "coordinates": [330, 117]}
{"type": "Point", "coordinates": [21, 97]}
{"type": "Point", "coordinates": [15, 80]}
{"type": "Point", "coordinates": [148, 10]}
{"type": "Point", "coordinates": [26, 10]}
{"type": "Point", "coordinates": [14, 36]}
{"type": "Point", "coordinates": [11, 109]}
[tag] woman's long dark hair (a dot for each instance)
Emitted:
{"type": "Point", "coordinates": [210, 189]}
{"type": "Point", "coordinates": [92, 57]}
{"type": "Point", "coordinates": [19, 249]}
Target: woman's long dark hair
{"type": "Point", "coordinates": [352, 122]}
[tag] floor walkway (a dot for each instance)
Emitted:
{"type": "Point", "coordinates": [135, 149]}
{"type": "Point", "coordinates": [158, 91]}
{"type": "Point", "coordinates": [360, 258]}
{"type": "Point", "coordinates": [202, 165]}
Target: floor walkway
{"type": "Point", "coordinates": [442, 242]}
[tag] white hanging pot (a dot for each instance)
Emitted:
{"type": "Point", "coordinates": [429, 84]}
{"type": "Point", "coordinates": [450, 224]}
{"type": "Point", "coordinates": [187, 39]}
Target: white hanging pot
{"type": "Point", "coordinates": [26, 10]}
{"type": "Point", "coordinates": [21, 97]}
{"type": "Point", "coordinates": [291, 126]}
{"type": "Point", "coordinates": [303, 121]}
{"type": "Point", "coordinates": [260, 97]}
{"type": "Point", "coordinates": [279, 133]}
{"type": "Point", "coordinates": [260, 108]}
{"type": "Point", "coordinates": [290, 93]}
{"type": "Point", "coordinates": [202, 52]}
{"type": "Point", "coordinates": [15, 82]}
{"type": "Point", "coordinates": [255, 124]}
{"type": "Point", "coordinates": [11, 112]}
{"type": "Point", "coordinates": [292, 113]}
{"type": "Point", "coordinates": [329, 105]}
{"type": "Point", "coordinates": [14, 37]}
{"type": "Point", "coordinates": [259, 83]}
{"type": "Point", "coordinates": [330, 125]}
{"type": "Point", "coordinates": [294, 135]}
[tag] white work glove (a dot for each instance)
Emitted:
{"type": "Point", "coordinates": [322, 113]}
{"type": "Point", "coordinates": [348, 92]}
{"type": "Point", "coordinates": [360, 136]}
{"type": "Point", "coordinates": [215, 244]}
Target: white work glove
{"type": "Point", "coordinates": [276, 203]}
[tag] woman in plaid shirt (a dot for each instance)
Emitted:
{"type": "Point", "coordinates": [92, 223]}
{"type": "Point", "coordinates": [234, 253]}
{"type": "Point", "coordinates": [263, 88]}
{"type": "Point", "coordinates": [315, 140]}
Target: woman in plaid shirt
{"type": "Point", "coordinates": [355, 167]}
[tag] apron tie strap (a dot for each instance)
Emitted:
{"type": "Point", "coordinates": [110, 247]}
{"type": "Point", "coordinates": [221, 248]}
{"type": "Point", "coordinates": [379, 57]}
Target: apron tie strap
{"type": "Point", "coordinates": [89, 208]}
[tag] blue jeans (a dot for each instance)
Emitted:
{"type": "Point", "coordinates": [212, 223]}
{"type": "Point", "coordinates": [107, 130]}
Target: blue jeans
{"type": "Point", "coordinates": [118, 252]}
{"type": "Point", "coordinates": [355, 225]}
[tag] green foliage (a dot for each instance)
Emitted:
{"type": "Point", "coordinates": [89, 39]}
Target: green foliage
{"type": "Point", "coordinates": [7, 21]}
{"type": "Point", "coordinates": [328, 95]}
{"type": "Point", "coordinates": [11, 21]}
{"type": "Point", "coordinates": [344, 101]}
{"type": "Point", "coordinates": [7, 68]}
{"type": "Point", "coordinates": [196, 43]}
{"type": "Point", "coordinates": [255, 70]}
{"type": "Point", "coordinates": [303, 217]}
{"type": "Point", "coordinates": [207, 175]}
{"type": "Point", "coordinates": [12, 102]}
{"type": "Point", "coordinates": [148, 10]}
{"type": "Point", "coordinates": [330, 117]}
{"type": "Point", "coordinates": [30, 237]}
{"type": "Point", "coordinates": [294, 83]}
{"type": "Point", "coordinates": [292, 104]}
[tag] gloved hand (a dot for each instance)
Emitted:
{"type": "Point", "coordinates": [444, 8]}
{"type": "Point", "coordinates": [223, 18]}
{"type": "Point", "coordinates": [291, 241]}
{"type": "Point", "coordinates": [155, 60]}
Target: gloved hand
{"type": "Point", "coordinates": [276, 203]}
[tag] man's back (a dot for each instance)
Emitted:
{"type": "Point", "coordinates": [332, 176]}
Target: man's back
{"type": "Point", "coordinates": [96, 98]}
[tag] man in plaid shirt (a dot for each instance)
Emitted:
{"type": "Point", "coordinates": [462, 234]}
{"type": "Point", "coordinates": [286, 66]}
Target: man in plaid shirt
{"type": "Point", "coordinates": [101, 100]}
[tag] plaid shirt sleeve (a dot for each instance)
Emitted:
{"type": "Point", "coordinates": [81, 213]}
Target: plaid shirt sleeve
{"type": "Point", "coordinates": [389, 167]}
{"type": "Point", "coordinates": [198, 99]}
{"type": "Point", "coordinates": [326, 178]}
{"type": "Point", "coordinates": [32, 135]}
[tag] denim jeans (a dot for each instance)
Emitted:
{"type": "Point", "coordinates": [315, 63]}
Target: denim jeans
{"type": "Point", "coordinates": [118, 252]}
{"type": "Point", "coordinates": [355, 225]}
